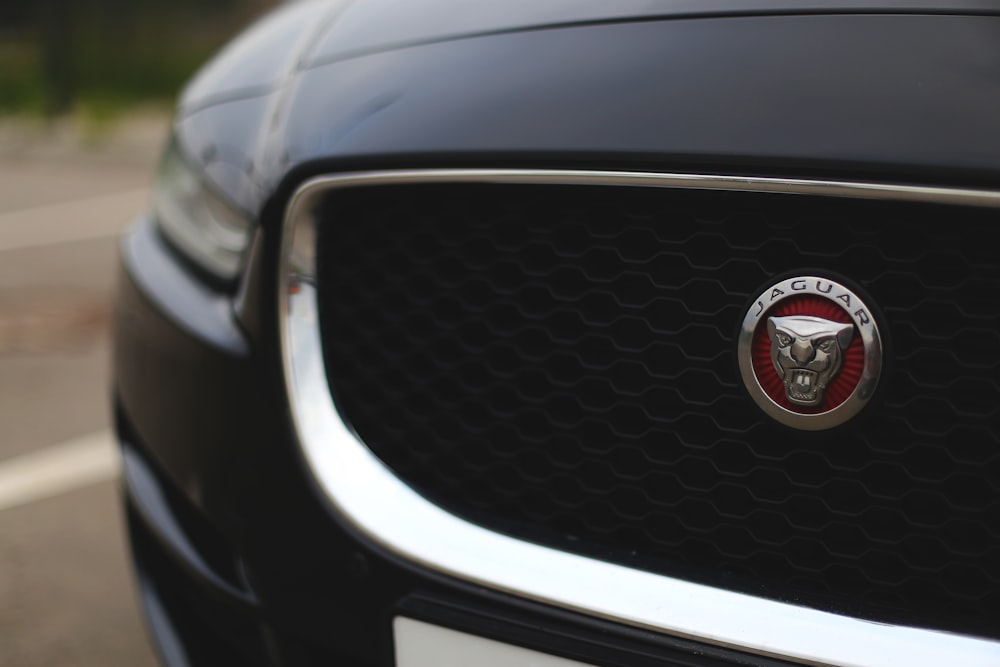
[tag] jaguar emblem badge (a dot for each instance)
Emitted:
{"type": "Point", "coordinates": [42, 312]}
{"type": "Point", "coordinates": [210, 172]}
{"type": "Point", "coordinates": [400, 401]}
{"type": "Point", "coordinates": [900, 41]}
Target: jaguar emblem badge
{"type": "Point", "coordinates": [810, 352]}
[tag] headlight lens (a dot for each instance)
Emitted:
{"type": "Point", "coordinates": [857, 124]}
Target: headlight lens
{"type": "Point", "coordinates": [208, 229]}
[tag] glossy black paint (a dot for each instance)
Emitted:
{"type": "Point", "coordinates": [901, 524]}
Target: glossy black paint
{"type": "Point", "coordinates": [904, 98]}
{"type": "Point", "coordinates": [727, 93]}
{"type": "Point", "coordinates": [318, 31]}
{"type": "Point", "coordinates": [255, 63]}
{"type": "Point", "coordinates": [209, 421]}
{"type": "Point", "coordinates": [896, 98]}
{"type": "Point", "coordinates": [382, 25]}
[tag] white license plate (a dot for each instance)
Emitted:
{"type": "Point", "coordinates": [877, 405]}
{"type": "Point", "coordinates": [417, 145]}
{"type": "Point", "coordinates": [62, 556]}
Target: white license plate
{"type": "Point", "coordinates": [420, 644]}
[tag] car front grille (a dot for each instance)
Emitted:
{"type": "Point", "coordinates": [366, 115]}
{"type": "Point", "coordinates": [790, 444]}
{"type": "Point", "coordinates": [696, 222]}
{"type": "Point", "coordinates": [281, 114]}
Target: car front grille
{"type": "Point", "coordinates": [558, 363]}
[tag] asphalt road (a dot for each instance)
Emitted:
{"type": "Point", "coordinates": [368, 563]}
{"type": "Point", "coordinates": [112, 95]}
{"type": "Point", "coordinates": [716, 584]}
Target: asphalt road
{"type": "Point", "coordinates": [66, 589]}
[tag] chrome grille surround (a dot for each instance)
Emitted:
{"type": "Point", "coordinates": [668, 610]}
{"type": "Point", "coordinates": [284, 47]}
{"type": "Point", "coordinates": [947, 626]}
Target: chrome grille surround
{"type": "Point", "coordinates": [387, 511]}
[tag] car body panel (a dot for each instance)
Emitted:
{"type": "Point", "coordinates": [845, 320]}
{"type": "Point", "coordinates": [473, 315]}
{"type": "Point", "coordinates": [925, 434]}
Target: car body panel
{"type": "Point", "coordinates": [902, 92]}
{"type": "Point", "coordinates": [719, 95]}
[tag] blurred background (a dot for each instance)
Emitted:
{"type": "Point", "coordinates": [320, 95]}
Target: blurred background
{"type": "Point", "coordinates": [86, 89]}
{"type": "Point", "coordinates": [102, 57]}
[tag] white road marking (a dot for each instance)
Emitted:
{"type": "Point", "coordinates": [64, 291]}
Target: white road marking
{"type": "Point", "coordinates": [79, 220]}
{"type": "Point", "coordinates": [58, 469]}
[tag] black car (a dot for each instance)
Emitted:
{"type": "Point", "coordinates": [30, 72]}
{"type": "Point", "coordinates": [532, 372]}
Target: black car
{"type": "Point", "coordinates": [573, 332]}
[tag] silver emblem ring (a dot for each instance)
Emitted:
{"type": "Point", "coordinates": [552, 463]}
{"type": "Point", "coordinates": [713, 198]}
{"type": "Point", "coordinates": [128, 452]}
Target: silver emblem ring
{"type": "Point", "coordinates": [810, 352]}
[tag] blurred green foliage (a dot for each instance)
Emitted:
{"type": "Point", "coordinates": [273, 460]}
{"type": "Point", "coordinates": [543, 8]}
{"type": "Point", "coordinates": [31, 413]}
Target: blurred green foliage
{"type": "Point", "coordinates": [101, 56]}
{"type": "Point", "coordinates": [21, 85]}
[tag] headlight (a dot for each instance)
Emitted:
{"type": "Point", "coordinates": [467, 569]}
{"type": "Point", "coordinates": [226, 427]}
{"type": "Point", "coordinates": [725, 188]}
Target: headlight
{"type": "Point", "coordinates": [206, 228]}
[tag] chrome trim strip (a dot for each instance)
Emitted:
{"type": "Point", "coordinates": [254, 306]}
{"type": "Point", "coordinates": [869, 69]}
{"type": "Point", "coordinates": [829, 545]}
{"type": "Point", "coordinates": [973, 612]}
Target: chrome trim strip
{"type": "Point", "coordinates": [387, 511]}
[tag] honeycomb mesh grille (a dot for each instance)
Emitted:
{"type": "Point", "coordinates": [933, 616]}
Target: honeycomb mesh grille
{"type": "Point", "coordinates": [558, 363]}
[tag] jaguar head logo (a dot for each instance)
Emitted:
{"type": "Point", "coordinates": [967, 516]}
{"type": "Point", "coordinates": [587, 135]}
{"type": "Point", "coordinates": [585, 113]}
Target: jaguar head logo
{"type": "Point", "coordinates": [807, 352]}
{"type": "Point", "coordinates": [810, 352]}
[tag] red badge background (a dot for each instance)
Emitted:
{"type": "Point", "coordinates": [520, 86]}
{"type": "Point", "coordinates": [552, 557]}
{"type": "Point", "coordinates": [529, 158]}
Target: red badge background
{"type": "Point", "coordinates": [847, 377]}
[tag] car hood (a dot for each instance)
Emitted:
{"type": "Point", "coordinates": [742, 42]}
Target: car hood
{"type": "Point", "coordinates": [305, 33]}
{"type": "Point", "coordinates": [332, 86]}
{"type": "Point", "coordinates": [367, 26]}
